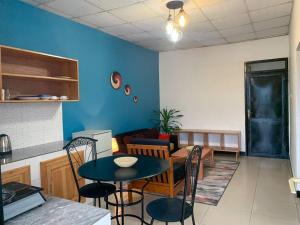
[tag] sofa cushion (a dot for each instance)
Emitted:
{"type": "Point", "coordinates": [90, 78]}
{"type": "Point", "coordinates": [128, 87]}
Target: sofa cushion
{"type": "Point", "coordinates": [148, 141]}
{"type": "Point", "coordinates": [179, 171]}
{"type": "Point", "coordinates": [151, 133]}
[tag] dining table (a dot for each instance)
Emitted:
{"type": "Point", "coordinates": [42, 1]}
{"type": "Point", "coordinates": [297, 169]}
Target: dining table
{"type": "Point", "coordinates": [106, 170]}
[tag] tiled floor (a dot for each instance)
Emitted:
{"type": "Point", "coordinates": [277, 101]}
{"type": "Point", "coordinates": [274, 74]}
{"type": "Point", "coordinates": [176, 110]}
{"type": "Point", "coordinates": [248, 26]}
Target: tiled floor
{"type": "Point", "coordinates": [258, 194]}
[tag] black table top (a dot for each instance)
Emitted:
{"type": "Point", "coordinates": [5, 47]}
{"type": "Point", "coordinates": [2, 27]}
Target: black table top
{"type": "Point", "coordinates": [104, 169]}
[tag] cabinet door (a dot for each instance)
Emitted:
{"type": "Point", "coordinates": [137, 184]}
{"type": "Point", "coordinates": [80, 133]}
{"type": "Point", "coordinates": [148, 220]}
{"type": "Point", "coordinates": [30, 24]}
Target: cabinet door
{"type": "Point", "coordinates": [57, 178]}
{"type": "Point", "coordinates": [21, 175]}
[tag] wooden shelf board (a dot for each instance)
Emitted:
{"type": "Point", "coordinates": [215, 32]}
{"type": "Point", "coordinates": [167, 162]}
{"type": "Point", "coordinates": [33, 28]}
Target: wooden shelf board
{"type": "Point", "coordinates": [33, 101]}
{"type": "Point", "coordinates": [227, 149]}
{"type": "Point", "coordinates": [36, 53]}
{"type": "Point", "coordinates": [12, 75]}
{"type": "Point", "coordinates": [200, 131]}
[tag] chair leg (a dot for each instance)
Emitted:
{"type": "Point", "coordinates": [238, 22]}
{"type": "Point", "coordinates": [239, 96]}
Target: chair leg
{"type": "Point", "coordinates": [79, 198]}
{"type": "Point", "coordinates": [117, 208]}
{"type": "Point", "coordinates": [106, 204]}
{"type": "Point", "coordinates": [99, 202]}
{"type": "Point", "coordinates": [193, 219]}
{"type": "Point", "coordinates": [152, 221]}
{"type": "Point", "coordinates": [166, 223]}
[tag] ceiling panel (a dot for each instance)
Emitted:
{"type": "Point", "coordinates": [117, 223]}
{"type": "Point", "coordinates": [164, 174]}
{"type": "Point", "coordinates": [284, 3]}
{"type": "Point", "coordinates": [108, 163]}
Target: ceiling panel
{"type": "Point", "coordinates": [196, 15]}
{"type": "Point", "coordinates": [203, 36]}
{"type": "Point", "coordinates": [211, 22]}
{"type": "Point", "coordinates": [259, 4]}
{"type": "Point", "coordinates": [211, 42]}
{"type": "Point", "coordinates": [201, 27]}
{"type": "Point", "coordinates": [134, 12]}
{"type": "Point", "coordinates": [74, 8]}
{"type": "Point", "coordinates": [245, 29]}
{"type": "Point", "coordinates": [154, 23]}
{"type": "Point", "coordinates": [102, 19]}
{"type": "Point", "coordinates": [271, 12]}
{"type": "Point", "coordinates": [267, 24]}
{"type": "Point", "coordinates": [231, 21]}
{"type": "Point", "coordinates": [224, 8]}
{"type": "Point", "coordinates": [139, 37]}
{"type": "Point", "coordinates": [273, 32]}
{"type": "Point", "coordinates": [112, 4]}
{"type": "Point", "coordinates": [124, 29]}
{"type": "Point", "coordinates": [241, 37]}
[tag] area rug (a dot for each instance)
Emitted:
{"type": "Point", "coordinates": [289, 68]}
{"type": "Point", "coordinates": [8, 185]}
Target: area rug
{"type": "Point", "coordinates": [216, 179]}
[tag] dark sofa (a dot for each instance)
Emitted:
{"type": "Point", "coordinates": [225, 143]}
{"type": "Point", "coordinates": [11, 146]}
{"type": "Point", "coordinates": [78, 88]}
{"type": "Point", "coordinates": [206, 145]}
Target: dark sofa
{"type": "Point", "coordinates": [147, 136]}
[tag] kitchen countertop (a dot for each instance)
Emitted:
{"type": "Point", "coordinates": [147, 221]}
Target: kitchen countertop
{"type": "Point", "coordinates": [61, 211]}
{"type": "Point", "coordinates": [32, 151]}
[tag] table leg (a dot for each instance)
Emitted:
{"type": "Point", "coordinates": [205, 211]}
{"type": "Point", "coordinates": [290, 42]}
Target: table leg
{"type": "Point", "coordinates": [122, 202]}
{"type": "Point", "coordinates": [142, 203]}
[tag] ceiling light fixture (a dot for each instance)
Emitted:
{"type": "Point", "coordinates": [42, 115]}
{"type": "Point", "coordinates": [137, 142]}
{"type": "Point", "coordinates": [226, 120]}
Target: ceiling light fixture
{"type": "Point", "coordinates": [175, 23]}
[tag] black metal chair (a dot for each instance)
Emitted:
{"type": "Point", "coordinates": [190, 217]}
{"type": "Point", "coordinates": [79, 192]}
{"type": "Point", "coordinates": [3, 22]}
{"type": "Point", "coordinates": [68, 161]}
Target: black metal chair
{"type": "Point", "coordinates": [179, 209]}
{"type": "Point", "coordinates": [96, 190]}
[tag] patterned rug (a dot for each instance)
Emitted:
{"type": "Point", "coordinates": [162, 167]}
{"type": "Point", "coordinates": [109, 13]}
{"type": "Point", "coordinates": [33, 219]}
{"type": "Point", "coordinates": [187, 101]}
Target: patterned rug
{"type": "Point", "coordinates": [216, 179]}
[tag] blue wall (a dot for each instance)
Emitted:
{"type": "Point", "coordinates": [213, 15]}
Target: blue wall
{"type": "Point", "coordinates": [99, 54]}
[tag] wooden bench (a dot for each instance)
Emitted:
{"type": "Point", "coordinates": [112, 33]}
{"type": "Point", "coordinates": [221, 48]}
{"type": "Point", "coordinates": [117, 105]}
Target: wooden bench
{"type": "Point", "coordinates": [221, 146]}
{"type": "Point", "coordinates": [207, 153]}
{"type": "Point", "coordinates": [162, 184]}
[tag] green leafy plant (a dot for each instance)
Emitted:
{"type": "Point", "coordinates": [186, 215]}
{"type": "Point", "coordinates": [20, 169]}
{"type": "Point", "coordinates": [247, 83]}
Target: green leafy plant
{"type": "Point", "coordinates": [168, 120]}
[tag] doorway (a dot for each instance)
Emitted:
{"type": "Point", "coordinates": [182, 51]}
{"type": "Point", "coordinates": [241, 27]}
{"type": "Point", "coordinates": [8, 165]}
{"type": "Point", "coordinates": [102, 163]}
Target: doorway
{"type": "Point", "coordinates": [266, 108]}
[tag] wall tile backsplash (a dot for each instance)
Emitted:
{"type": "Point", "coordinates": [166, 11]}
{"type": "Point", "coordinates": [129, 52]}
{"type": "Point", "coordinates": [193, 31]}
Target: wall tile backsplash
{"type": "Point", "coordinates": [31, 124]}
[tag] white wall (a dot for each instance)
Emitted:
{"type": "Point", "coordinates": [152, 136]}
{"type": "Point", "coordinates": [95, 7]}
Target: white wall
{"type": "Point", "coordinates": [30, 124]}
{"type": "Point", "coordinates": [294, 89]}
{"type": "Point", "coordinates": [207, 84]}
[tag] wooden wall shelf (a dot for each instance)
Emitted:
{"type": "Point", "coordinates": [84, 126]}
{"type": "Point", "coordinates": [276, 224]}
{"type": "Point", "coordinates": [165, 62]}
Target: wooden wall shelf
{"type": "Point", "coordinates": [205, 133]}
{"type": "Point", "coordinates": [25, 72]}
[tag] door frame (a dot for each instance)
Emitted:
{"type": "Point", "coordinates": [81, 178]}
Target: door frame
{"type": "Point", "coordinates": [286, 112]}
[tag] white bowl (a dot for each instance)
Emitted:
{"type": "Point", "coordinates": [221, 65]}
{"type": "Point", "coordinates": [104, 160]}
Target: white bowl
{"type": "Point", "coordinates": [126, 161]}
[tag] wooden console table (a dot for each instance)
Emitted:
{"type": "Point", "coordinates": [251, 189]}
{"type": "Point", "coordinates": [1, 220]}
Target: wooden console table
{"type": "Point", "coordinates": [221, 146]}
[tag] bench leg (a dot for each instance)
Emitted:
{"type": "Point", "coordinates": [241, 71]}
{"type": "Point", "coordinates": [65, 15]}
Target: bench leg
{"type": "Point", "coordinates": [236, 156]}
{"type": "Point", "coordinates": [201, 175]}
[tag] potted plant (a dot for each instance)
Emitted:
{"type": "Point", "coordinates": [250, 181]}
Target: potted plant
{"type": "Point", "coordinates": [168, 121]}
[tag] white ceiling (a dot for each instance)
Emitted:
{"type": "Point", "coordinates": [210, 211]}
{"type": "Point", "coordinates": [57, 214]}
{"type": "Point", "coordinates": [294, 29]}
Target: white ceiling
{"type": "Point", "coordinates": [212, 22]}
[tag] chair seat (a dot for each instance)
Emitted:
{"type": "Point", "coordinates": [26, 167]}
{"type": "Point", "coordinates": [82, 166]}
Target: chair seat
{"type": "Point", "coordinates": [96, 190]}
{"type": "Point", "coordinates": [168, 209]}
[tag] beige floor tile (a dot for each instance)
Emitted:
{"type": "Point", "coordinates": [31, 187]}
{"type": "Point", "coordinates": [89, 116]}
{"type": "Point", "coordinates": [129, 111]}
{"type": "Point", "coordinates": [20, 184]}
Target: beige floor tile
{"type": "Point", "coordinates": [216, 216]}
{"type": "Point", "coordinates": [270, 207]}
{"type": "Point", "coordinates": [259, 219]}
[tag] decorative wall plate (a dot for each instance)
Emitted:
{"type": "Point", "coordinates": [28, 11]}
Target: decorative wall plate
{"type": "Point", "coordinates": [116, 80]}
{"type": "Point", "coordinates": [135, 99]}
{"type": "Point", "coordinates": [127, 89]}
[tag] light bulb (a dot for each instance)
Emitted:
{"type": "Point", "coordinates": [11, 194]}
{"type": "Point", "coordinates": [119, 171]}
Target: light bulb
{"type": "Point", "coordinates": [169, 25]}
{"type": "Point", "coordinates": [176, 34]}
{"type": "Point", "coordinates": [182, 18]}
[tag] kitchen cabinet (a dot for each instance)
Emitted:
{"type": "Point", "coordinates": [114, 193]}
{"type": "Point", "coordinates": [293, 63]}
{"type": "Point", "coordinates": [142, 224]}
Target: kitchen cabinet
{"type": "Point", "coordinates": [25, 72]}
{"type": "Point", "coordinates": [57, 178]}
{"type": "Point", "coordinates": [21, 175]}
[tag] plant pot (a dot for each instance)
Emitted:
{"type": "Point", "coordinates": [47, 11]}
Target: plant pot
{"type": "Point", "coordinates": [164, 137]}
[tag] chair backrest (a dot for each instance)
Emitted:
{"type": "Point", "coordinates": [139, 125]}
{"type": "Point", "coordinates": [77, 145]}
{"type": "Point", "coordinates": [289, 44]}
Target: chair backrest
{"type": "Point", "coordinates": [192, 165]}
{"type": "Point", "coordinates": [74, 147]}
{"type": "Point", "coordinates": [154, 151]}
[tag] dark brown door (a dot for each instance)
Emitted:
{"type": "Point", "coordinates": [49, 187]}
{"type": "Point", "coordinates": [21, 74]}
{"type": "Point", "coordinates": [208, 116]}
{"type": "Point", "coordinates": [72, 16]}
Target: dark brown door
{"type": "Point", "coordinates": [267, 113]}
